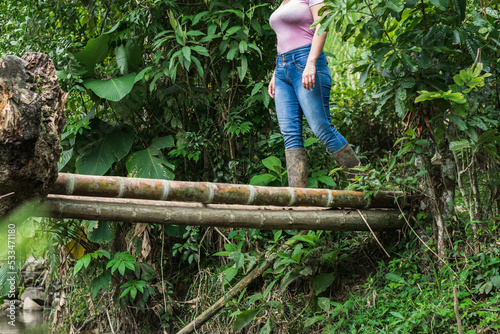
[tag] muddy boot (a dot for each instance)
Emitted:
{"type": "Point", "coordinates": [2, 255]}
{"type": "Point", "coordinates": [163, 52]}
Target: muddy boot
{"type": "Point", "coordinates": [296, 164]}
{"type": "Point", "coordinates": [346, 158]}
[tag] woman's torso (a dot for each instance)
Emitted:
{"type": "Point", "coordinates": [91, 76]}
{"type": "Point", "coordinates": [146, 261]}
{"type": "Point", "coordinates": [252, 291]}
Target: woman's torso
{"type": "Point", "coordinates": [291, 22]}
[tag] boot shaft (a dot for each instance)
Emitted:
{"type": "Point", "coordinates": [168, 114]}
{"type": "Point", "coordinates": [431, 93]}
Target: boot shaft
{"type": "Point", "coordinates": [296, 164]}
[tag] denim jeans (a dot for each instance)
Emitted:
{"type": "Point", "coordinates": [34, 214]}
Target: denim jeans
{"type": "Point", "coordinates": [293, 101]}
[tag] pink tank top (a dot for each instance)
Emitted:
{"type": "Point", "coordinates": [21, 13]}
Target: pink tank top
{"type": "Point", "coordinates": [291, 23]}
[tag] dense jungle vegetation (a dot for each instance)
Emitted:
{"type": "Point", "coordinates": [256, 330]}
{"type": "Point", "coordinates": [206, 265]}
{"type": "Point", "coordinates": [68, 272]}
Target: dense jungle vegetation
{"type": "Point", "coordinates": [178, 90]}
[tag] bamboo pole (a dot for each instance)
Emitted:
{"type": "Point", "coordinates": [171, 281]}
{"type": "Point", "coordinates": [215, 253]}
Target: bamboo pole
{"type": "Point", "coordinates": [205, 192]}
{"type": "Point", "coordinates": [264, 218]}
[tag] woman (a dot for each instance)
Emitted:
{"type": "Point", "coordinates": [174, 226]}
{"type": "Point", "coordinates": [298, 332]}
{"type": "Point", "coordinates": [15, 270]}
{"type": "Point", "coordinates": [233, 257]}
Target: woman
{"type": "Point", "coordinates": [301, 86]}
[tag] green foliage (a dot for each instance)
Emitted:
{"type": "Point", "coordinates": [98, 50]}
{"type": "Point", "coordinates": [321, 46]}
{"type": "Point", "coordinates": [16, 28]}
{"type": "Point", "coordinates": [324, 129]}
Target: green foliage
{"type": "Point", "coordinates": [113, 89]}
{"type": "Point", "coordinates": [131, 287]}
{"type": "Point", "coordinates": [101, 232]}
{"type": "Point", "coordinates": [243, 318]}
{"type": "Point", "coordinates": [121, 262]}
{"type": "Point", "coordinates": [415, 84]}
{"type": "Point", "coordinates": [276, 177]}
{"type": "Point", "coordinates": [151, 163]}
{"type": "Point", "coordinates": [102, 147]}
{"type": "Point", "coordinates": [189, 250]}
{"type": "Point", "coordinates": [413, 48]}
{"type": "Point", "coordinates": [121, 266]}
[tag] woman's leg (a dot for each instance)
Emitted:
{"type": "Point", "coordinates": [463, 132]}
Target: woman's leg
{"type": "Point", "coordinates": [290, 117]}
{"type": "Point", "coordinates": [315, 103]}
{"type": "Point", "coordinates": [288, 111]}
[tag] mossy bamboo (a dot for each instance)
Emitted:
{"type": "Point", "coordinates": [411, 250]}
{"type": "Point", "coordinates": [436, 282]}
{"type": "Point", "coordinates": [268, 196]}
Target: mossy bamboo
{"type": "Point", "coordinates": [205, 192]}
{"type": "Point", "coordinates": [265, 218]}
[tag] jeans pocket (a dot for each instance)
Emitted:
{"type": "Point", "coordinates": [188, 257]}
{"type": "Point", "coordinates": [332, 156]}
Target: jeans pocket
{"type": "Point", "coordinates": [300, 62]}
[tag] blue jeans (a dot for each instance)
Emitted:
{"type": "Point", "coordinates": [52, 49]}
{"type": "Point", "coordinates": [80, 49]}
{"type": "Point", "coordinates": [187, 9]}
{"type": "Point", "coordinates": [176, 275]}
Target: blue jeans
{"type": "Point", "coordinates": [293, 101]}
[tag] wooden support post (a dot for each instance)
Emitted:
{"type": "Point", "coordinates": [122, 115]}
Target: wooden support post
{"type": "Point", "coordinates": [191, 214]}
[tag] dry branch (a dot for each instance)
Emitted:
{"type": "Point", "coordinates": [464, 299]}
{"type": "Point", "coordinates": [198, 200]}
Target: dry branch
{"type": "Point", "coordinates": [264, 218]}
{"type": "Point", "coordinates": [456, 309]}
{"type": "Point", "coordinates": [205, 192]}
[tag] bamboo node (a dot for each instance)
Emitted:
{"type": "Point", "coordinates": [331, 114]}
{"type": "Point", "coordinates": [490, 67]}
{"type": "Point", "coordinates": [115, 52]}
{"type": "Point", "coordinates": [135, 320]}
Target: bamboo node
{"type": "Point", "coordinates": [165, 192]}
{"type": "Point", "coordinates": [211, 193]}
{"type": "Point", "coordinates": [121, 187]}
{"type": "Point", "coordinates": [291, 191]}
{"type": "Point", "coordinates": [251, 195]}
{"type": "Point", "coordinates": [329, 201]}
{"type": "Point", "coordinates": [71, 185]}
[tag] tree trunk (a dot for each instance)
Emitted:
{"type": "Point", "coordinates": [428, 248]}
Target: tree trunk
{"type": "Point", "coordinates": [31, 120]}
{"type": "Point", "coordinates": [439, 186]}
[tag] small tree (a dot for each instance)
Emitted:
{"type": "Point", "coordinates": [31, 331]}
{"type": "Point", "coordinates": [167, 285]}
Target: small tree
{"type": "Point", "coordinates": [425, 60]}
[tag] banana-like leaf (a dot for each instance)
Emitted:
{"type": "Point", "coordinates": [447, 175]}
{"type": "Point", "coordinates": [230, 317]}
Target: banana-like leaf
{"type": "Point", "coordinates": [128, 57]}
{"type": "Point", "coordinates": [150, 163]}
{"type": "Point", "coordinates": [131, 103]}
{"type": "Point", "coordinates": [106, 145]}
{"type": "Point", "coordinates": [113, 89]}
{"type": "Point", "coordinates": [94, 52]}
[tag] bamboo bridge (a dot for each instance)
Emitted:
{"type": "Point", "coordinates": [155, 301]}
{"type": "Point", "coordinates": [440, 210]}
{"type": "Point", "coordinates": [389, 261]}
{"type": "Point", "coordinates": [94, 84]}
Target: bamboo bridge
{"type": "Point", "coordinates": [166, 202]}
{"type": "Point", "coordinates": [221, 205]}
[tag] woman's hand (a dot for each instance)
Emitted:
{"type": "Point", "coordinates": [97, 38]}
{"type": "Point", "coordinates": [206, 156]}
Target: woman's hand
{"type": "Point", "coordinates": [309, 76]}
{"type": "Point", "coordinates": [270, 89]}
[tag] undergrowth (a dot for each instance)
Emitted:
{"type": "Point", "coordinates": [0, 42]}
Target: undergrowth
{"type": "Point", "coordinates": [345, 284]}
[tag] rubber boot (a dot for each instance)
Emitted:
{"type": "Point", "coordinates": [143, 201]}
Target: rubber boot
{"type": "Point", "coordinates": [346, 158]}
{"type": "Point", "coordinates": [296, 164]}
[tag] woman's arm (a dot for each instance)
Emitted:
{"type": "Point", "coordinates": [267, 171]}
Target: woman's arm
{"type": "Point", "coordinates": [309, 75]}
{"type": "Point", "coordinates": [270, 89]}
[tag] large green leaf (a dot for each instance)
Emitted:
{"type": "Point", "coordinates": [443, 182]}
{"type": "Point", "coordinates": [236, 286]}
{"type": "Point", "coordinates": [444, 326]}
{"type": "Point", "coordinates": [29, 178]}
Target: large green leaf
{"type": "Point", "coordinates": [323, 282]}
{"type": "Point", "coordinates": [162, 142]}
{"type": "Point", "coordinates": [113, 89]}
{"type": "Point", "coordinates": [147, 164]}
{"type": "Point", "coordinates": [128, 57]}
{"type": "Point", "coordinates": [394, 277]}
{"type": "Point", "coordinates": [65, 158]}
{"type": "Point", "coordinates": [175, 230]}
{"type": "Point", "coordinates": [150, 163]}
{"type": "Point", "coordinates": [441, 4]}
{"type": "Point", "coordinates": [244, 318]}
{"type": "Point", "coordinates": [105, 145]}
{"type": "Point", "coordinates": [101, 282]}
{"type": "Point", "coordinates": [104, 233]}
{"type": "Point", "coordinates": [273, 164]}
{"type": "Point", "coordinates": [94, 52]}
{"type": "Point", "coordinates": [134, 101]}
{"type": "Point", "coordinates": [460, 7]}
{"type": "Point", "coordinates": [311, 321]}
{"type": "Point", "coordinates": [395, 5]}
{"type": "Point", "coordinates": [289, 278]}
{"type": "Point", "coordinates": [459, 145]}
{"type": "Point", "coordinates": [262, 180]}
